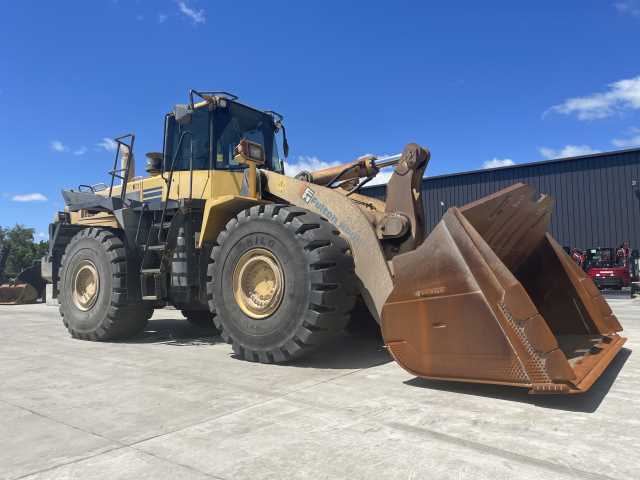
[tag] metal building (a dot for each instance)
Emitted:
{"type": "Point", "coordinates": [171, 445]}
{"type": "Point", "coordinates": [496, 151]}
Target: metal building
{"type": "Point", "coordinates": [597, 197]}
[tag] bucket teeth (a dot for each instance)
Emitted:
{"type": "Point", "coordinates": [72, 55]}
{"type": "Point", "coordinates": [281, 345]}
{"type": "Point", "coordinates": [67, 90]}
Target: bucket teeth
{"type": "Point", "coordinates": [491, 297]}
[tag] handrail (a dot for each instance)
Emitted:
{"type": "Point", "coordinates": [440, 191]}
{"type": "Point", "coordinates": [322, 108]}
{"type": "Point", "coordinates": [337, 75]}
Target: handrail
{"type": "Point", "coordinates": [169, 181]}
{"type": "Point", "coordinates": [204, 95]}
{"type": "Point", "coordinates": [117, 172]}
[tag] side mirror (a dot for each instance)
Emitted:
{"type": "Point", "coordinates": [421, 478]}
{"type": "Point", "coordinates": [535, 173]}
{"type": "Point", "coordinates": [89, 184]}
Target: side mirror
{"type": "Point", "coordinates": [182, 114]}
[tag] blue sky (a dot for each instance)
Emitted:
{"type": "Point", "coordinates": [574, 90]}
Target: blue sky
{"type": "Point", "coordinates": [479, 83]}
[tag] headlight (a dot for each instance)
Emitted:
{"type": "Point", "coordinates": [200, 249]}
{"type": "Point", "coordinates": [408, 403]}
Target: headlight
{"type": "Point", "coordinates": [251, 151]}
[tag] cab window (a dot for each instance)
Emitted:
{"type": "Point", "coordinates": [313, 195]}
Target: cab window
{"type": "Point", "coordinates": [196, 140]}
{"type": "Point", "coordinates": [238, 122]}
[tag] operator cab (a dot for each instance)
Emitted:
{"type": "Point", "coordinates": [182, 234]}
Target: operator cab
{"type": "Point", "coordinates": [203, 135]}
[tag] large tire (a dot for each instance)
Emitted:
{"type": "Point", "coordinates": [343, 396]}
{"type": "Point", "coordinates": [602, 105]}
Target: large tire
{"type": "Point", "coordinates": [318, 282]}
{"type": "Point", "coordinates": [112, 313]}
{"type": "Point", "coordinates": [199, 318]}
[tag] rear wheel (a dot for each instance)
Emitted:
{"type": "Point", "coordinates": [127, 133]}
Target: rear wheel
{"type": "Point", "coordinates": [94, 300]}
{"type": "Point", "coordinates": [281, 282]}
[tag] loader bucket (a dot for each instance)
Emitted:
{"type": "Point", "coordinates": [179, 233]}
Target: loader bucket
{"type": "Point", "coordinates": [491, 297]}
{"type": "Point", "coordinates": [17, 294]}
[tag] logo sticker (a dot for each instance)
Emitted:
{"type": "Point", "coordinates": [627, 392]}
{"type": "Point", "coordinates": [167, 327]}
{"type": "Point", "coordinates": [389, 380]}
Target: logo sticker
{"type": "Point", "coordinates": [308, 195]}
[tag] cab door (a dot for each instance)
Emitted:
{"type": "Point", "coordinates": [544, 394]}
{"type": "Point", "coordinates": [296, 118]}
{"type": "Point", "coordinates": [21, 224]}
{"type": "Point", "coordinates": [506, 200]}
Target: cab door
{"type": "Point", "coordinates": [193, 162]}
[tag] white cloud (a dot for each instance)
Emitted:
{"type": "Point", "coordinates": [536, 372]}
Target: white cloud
{"type": "Point", "coordinates": [42, 236]}
{"type": "Point", "coordinates": [498, 162]}
{"type": "Point", "coordinates": [621, 95]}
{"type": "Point", "coordinates": [310, 164]}
{"type": "Point", "coordinates": [162, 17]}
{"type": "Point", "coordinates": [58, 146]}
{"type": "Point", "coordinates": [306, 164]}
{"type": "Point", "coordinates": [80, 151]}
{"type": "Point", "coordinates": [29, 197]}
{"type": "Point", "coordinates": [629, 7]}
{"type": "Point", "coordinates": [567, 151]}
{"type": "Point", "coordinates": [108, 144]}
{"type": "Point", "coordinates": [632, 140]}
{"type": "Point", "coordinates": [197, 16]}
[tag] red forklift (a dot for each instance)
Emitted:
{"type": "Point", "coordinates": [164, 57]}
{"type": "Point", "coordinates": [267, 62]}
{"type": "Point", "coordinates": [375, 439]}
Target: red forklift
{"type": "Point", "coordinates": [607, 268]}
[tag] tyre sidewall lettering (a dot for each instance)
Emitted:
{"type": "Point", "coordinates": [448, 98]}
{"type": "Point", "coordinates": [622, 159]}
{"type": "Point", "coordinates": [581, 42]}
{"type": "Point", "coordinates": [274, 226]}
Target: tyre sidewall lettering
{"type": "Point", "coordinates": [291, 256]}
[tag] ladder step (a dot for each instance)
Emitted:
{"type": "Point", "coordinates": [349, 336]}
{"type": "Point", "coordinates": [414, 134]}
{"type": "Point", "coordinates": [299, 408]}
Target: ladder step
{"type": "Point", "coordinates": [149, 297]}
{"type": "Point", "coordinates": [157, 248]}
{"type": "Point", "coordinates": [150, 271]}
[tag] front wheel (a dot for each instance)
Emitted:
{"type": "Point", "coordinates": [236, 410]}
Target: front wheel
{"type": "Point", "coordinates": [281, 282]}
{"type": "Point", "coordinates": [95, 303]}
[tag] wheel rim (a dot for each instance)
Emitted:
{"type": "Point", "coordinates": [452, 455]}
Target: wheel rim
{"type": "Point", "coordinates": [86, 285]}
{"type": "Point", "coordinates": [258, 283]}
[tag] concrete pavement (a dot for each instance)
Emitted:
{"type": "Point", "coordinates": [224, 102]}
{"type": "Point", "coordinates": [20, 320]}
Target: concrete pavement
{"type": "Point", "coordinates": [173, 403]}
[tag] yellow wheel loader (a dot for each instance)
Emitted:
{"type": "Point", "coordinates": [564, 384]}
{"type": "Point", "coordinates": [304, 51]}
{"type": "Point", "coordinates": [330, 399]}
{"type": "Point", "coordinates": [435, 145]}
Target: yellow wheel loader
{"type": "Point", "coordinates": [276, 263]}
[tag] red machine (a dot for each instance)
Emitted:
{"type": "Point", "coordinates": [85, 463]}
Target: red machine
{"type": "Point", "coordinates": [607, 269]}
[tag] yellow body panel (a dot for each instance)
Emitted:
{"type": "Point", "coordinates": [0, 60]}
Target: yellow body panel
{"type": "Point", "coordinates": [220, 188]}
{"type": "Point", "coordinates": [101, 219]}
{"type": "Point", "coordinates": [218, 211]}
{"type": "Point", "coordinates": [205, 184]}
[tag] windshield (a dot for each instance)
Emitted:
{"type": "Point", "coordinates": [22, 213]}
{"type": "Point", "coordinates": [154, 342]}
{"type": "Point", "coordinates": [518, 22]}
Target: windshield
{"type": "Point", "coordinates": [227, 126]}
{"type": "Point", "coordinates": [603, 258]}
{"type": "Point", "coordinates": [238, 122]}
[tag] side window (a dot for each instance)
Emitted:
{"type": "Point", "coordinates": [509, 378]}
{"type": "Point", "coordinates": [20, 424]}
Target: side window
{"type": "Point", "coordinates": [198, 140]}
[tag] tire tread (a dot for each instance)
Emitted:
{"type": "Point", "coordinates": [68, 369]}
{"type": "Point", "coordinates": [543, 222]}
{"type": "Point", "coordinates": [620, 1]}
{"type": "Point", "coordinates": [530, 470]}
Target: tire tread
{"type": "Point", "coordinates": [333, 292]}
{"type": "Point", "coordinates": [123, 319]}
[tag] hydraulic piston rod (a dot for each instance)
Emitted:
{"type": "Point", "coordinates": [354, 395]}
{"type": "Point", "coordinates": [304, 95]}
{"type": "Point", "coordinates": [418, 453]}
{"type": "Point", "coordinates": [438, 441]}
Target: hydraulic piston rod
{"type": "Point", "coordinates": [363, 167]}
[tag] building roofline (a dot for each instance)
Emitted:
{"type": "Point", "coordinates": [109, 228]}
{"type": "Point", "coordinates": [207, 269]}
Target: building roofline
{"type": "Point", "coordinates": [532, 164]}
{"type": "Point", "coordinates": [520, 165]}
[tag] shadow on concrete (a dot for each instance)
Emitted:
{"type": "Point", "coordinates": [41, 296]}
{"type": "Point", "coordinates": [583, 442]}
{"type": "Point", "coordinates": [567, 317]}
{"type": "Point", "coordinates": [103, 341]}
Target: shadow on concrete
{"type": "Point", "coordinates": [356, 349]}
{"type": "Point", "coordinates": [349, 351]}
{"type": "Point", "coordinates": [587, 402]}
{"type": "Point", "coordinates": [176, 332]}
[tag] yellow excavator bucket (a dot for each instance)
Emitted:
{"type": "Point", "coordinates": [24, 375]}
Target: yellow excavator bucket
{"type": "Point", "coordinates": [491, 297]}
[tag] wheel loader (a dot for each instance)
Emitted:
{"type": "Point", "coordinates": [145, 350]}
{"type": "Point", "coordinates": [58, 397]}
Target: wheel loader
{"type": "Point", "coordinates": [276, 263]}
{"type": "Point", "coordinates": [27, 287]}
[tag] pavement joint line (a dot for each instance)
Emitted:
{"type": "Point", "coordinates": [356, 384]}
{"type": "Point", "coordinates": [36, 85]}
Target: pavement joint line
{"type": "Point", "coordinates": [133, 445]}
{"type": "Point", "coordinates": [64, 464]}
{"type": "Point", "coordinates": [499, 452]}
{"type": "Point", "coordinates": [188, 467]}
{"type": "Point", "coordinates": [470, 444]}
{"type": "Point", "coordinates": [115, 449]}
{"type": "Point", "coordinates": [243, 409]}
{"type": "Point", "coordinates": [297, 395]}
{"type": "Point", "coordinates": [118, 446]}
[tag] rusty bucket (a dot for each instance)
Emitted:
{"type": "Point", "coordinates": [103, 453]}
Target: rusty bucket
{"type": "Point", "coordinates": [491, 297]}
{"type": "Point", "coordinates": [17, 294]}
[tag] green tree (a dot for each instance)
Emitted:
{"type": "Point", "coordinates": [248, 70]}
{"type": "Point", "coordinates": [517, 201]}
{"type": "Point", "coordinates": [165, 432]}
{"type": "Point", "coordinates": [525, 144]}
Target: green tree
{"type": "Point", "coordinates": [23, 250]}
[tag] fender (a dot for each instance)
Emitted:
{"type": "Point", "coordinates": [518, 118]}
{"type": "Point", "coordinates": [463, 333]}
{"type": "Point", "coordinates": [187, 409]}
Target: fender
{"type": "Point", "coordinates": [218, 211]}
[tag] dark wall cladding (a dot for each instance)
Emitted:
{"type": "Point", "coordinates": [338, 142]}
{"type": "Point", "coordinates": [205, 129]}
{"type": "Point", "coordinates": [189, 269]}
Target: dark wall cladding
{"type": "Point", "coordinates": [597, 198]}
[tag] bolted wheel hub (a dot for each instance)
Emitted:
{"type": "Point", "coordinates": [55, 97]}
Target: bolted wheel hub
{"type": "Point", "coordinates": [258, 283]}
{"type": "Point", "coordinates": [86, 285]}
